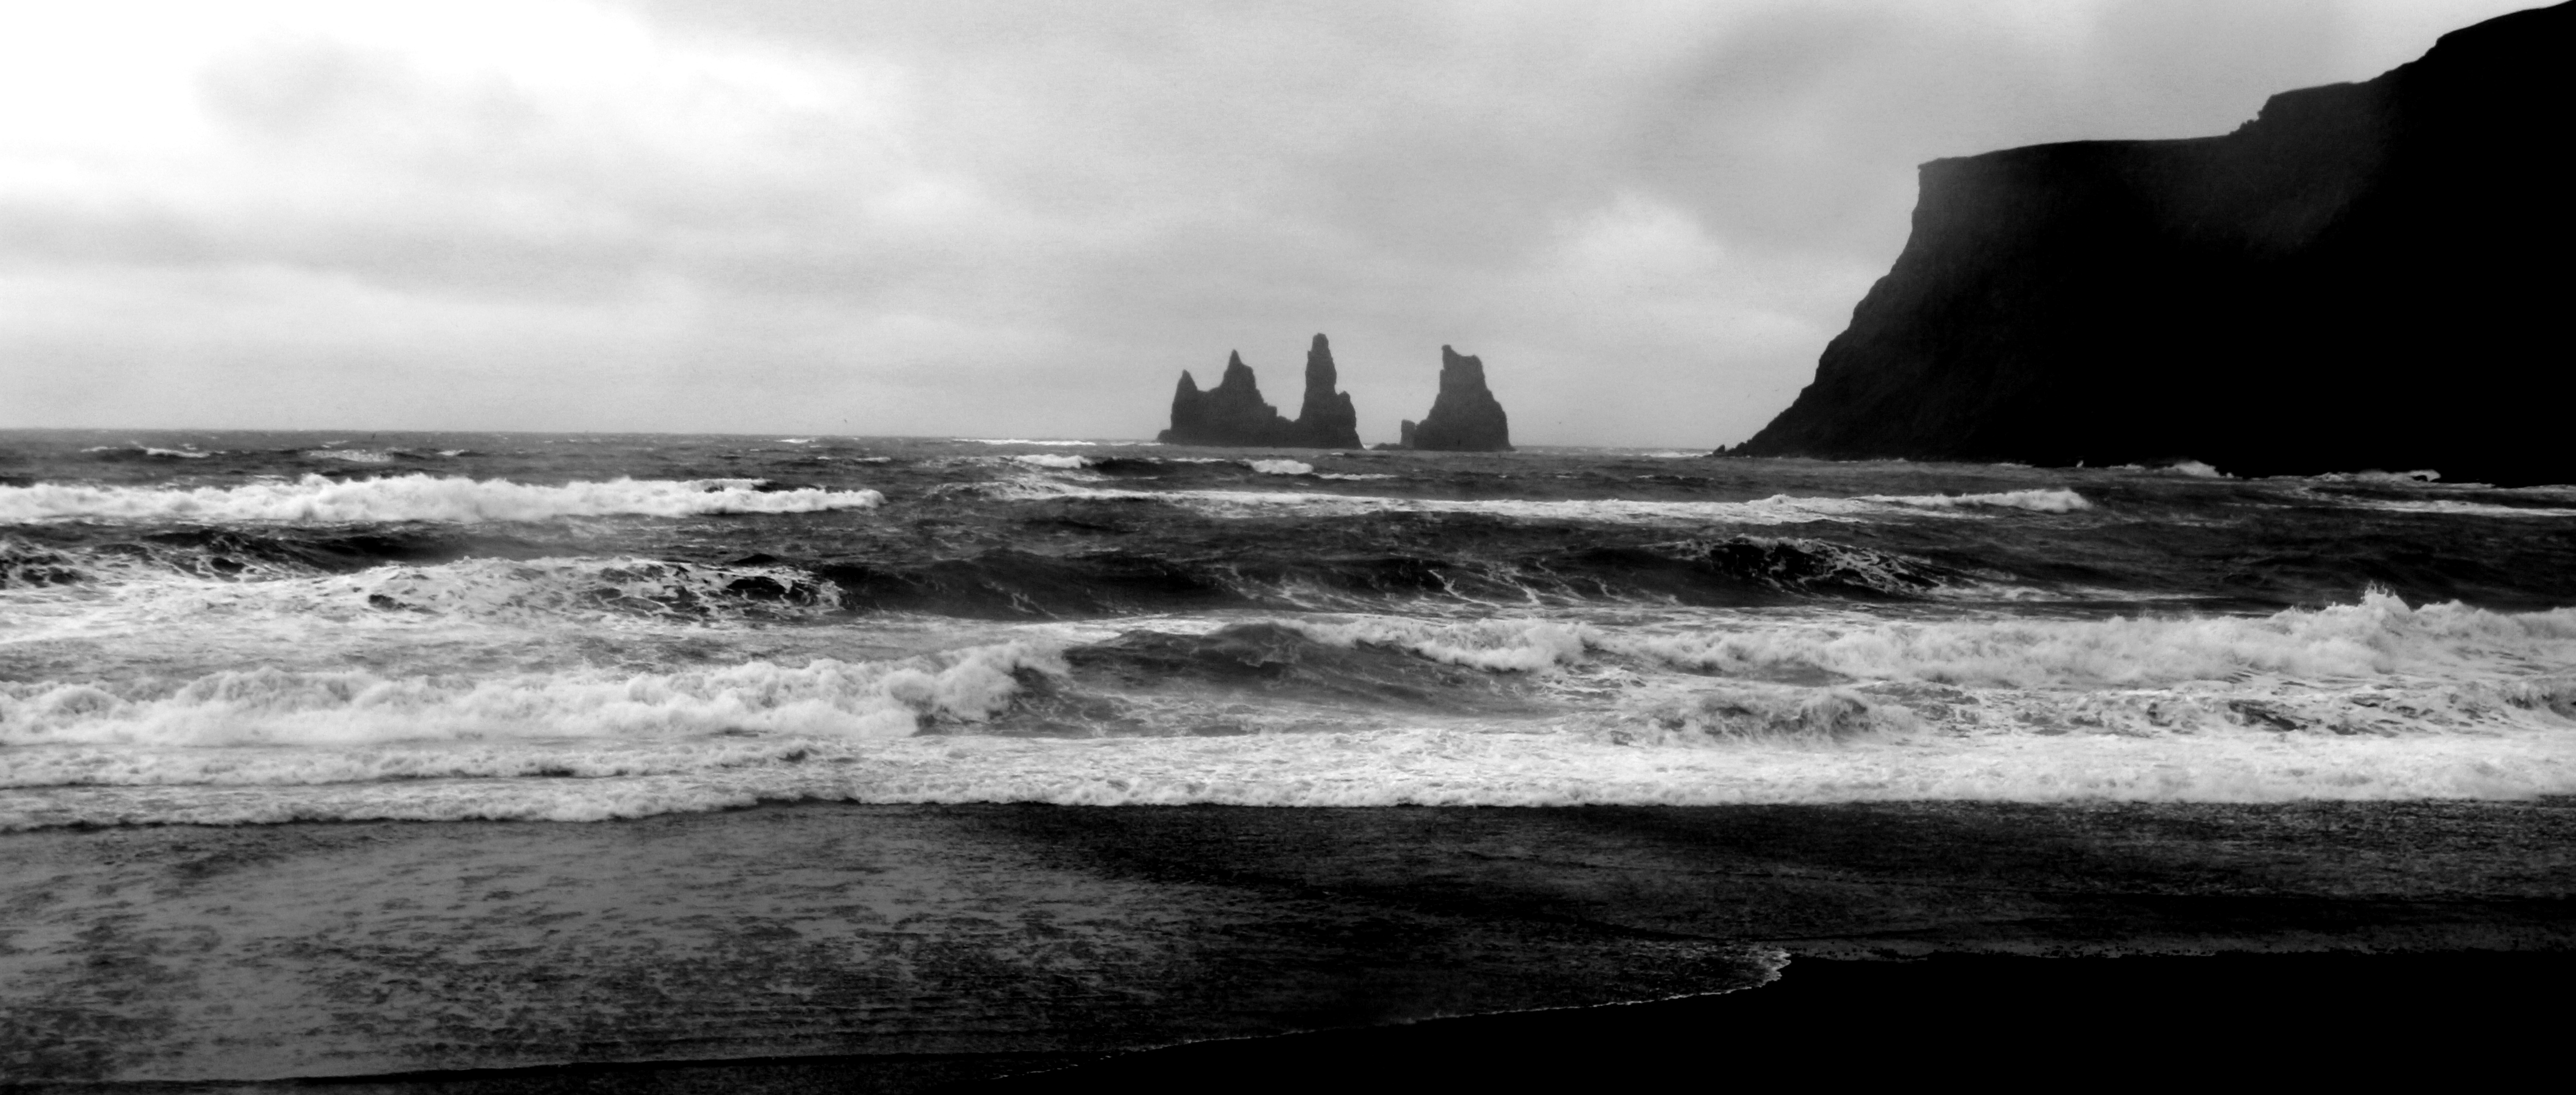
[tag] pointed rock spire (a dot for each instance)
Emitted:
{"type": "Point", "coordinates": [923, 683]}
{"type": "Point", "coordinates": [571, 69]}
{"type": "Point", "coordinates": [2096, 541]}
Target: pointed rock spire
{"type": "Point", "coordinates": [1233, 412]}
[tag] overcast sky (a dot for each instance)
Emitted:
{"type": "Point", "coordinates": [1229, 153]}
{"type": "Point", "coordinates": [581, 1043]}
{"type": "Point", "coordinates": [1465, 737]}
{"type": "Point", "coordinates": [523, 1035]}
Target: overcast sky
{"type": "Point", "coordinates": [955, 218]}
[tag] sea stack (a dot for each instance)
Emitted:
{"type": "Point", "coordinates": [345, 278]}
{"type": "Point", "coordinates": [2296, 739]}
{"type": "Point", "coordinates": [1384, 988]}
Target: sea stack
{"type": "Point", "coordinates": [1465, 417]}
{"type": "Point", "coordinates": [1233, 413]}
{"type": "Point", "coordinates": [1326, 419]}
{"type": "Point", "coordinates": [2364, 276]}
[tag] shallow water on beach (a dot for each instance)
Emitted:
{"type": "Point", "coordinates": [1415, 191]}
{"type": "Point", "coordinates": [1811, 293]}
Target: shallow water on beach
{"type": "Point", "coordinates": [242, 628]}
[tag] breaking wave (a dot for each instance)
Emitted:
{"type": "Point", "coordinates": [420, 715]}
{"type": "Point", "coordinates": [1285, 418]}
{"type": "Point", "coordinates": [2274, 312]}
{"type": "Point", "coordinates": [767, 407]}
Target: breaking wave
{"type": "Point", "coordinates": [315, 498]}
{"type": "Point", "coordinates": [2380, 637]}
{"type": "Point", "coordinates": [130, 452]}
{"type": "Point", "coordinates": [272, 707]}
{"type": "Point", "coordinates": [1775, 510]}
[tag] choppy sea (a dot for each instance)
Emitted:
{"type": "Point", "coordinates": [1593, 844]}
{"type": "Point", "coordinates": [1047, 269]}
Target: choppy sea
{"type": "Point", "coordinates": [241, 628]}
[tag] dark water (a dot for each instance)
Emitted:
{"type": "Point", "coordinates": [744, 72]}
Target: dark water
{"type": "Point", "coordinates": [243, 627]}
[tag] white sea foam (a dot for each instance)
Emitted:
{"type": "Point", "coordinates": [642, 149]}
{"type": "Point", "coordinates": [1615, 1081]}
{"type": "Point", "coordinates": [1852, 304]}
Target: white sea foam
{"type": "Point", "coordinates": [351, 456]}
{"type": "Point", "coordinates": [190, 453]}
{"type": "Point", "coordinates": [2418, 476]}
{"type": "Point", "coordinates": [2039, 501]}
{"type": "Point", "coordinates": [271, 708]}
{"type": "Point", "coordinates": [1281, 467]}
{"type": "Point", "coordinates": [2371, 701]}
{"type": "Point", "coordinates": [417, 497]}
{"type": "Point", "coordinates": [1021, 441]}
{"type": "Point", "coordinates": [2451, 506]}
{"type": "Point", "coordinates": [1396, 766]}
{"type": "Point", "coordinates": [1775, 510]}
{"type": "Point", "coordinates": [1052, 460]}
{"type": "Point", "coordinates": [2380, 637]}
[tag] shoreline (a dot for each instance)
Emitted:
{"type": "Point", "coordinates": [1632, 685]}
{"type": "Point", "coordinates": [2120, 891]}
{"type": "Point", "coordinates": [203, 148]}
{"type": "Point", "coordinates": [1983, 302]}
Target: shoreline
{"type": "Point", "coordinates": [2295, 1013]}
{"type": "Point", "coordinates": [841, 932]}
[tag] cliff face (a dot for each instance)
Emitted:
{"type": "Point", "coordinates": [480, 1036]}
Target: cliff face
{"type": "Point", "coordinates": [1464, 417]}
{"type": "Point", "coordinates": [1233, 413]}
{"type": "Point", "coordinates": [2365, 276]}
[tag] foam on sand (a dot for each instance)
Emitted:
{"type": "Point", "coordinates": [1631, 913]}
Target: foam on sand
{"type": "Point", "coordinates": [316, 498]}
{"type": "Point", "coordinates": [1402, 765]}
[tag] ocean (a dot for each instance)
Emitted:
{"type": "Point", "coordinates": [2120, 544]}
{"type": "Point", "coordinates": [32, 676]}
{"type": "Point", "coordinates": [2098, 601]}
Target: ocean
{"type": "Point", "coordinates": [218, 645]}
{"type": "Point", "coordinates": [243, 628]}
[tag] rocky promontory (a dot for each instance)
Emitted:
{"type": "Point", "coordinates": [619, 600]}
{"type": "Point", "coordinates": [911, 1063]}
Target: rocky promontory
{"type": "Point", "coordinates": [1233, 413]}
{"type": "Point", "coordinates": [1465, 416]}
{"type": "Point", "coordinates": [2366, 275]}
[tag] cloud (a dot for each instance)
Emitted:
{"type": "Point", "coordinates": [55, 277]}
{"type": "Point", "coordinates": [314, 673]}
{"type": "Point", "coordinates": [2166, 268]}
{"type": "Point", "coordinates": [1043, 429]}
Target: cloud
{"type": "Point", "coordinates": [1023, 218]}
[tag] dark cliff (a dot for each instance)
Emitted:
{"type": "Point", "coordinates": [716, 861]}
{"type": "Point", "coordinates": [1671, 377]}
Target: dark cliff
{"type": "Point", "coordinates": [1464, 417]}
{"type": "Point", "coordinates": [2367, 275]}
{"type": "Point", "coordinates": [1233, 412]}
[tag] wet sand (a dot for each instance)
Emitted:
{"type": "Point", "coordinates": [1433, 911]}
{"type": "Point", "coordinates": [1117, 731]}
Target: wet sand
{"type": "Point", "coordinates": [850, 947]}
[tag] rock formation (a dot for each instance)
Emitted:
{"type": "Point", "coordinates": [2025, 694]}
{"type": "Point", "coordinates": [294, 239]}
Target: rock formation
{"type": "Point", "coordinates": [2364, 276]}
{"type": "Point", "coordinates": [1325, 419]}
{"type": "Point", "coordinates": [1465, 416]}
{"type": "Point", "coordinates": [1233, 412]}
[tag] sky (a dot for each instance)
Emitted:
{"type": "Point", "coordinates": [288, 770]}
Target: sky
{"type": "Point", "coordinates": [950, 218]}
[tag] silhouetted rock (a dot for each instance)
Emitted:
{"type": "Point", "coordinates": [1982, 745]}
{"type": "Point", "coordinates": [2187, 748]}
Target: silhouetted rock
{"type": "Point", "coordinates": [1326, 420]}
{"type": "Point", "coordinates": [1233, 412]}
{"type": "Point", "coordinates": [1405, 433]}
{"type": "Point", "coordinates": [2368, 275]}
{"type": "Point", "coordinates": [1465, 416]}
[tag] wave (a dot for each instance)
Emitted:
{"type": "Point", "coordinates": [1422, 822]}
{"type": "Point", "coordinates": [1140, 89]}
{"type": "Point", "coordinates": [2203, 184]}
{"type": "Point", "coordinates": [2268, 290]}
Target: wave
{"type": "Point", "coordinates": [1281, 467]}
{"type": "Point", "coordinates": [131, 452]}
{"type": "Point", "coordinates": [272, 707]}
{"type": "Point", "coordinates": [2381, 637]}
{"type": "Point", "coordinates": [2418, 477]}
{"type": "Point", "coordinates": [2059, 500]}
{"type": "Point", "coordinates": [2451, 506]}
{"type": "Point", "coordinates": [1396, 766]}
{"type": "Point", "coordinates": [417, 497]}
{"type": "Point", "coordinates": [2369, 701]}
{"type": "Point", "coordinates": [1775, 510]}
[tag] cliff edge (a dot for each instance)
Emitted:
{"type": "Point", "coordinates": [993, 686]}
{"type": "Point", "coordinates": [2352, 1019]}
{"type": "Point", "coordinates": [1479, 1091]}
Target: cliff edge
{"type": "Point", "coordinates": [1465, 416]}
{"type": "Point", "coordinates": [2366, 275]}
{"type": "Point", "coordinates": [1233, 413]}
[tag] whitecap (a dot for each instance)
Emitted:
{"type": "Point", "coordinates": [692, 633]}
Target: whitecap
{"type": "Point", "coordinates": [418, 497]}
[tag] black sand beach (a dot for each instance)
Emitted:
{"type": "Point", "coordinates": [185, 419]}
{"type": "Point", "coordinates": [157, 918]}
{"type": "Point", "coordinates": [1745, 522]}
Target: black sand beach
{"type": "Point", "coordinates": [842, 947]}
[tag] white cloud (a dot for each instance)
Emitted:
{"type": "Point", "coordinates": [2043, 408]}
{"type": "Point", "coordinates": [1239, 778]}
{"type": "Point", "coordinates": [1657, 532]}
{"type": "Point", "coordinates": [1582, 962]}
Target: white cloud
{"type": "Point", "coordinates": [941, 218]}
